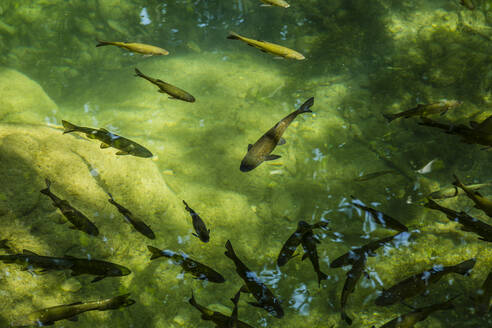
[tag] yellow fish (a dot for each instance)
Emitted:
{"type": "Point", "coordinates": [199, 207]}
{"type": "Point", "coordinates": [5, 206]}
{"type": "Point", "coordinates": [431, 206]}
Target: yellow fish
{"type": "Point", "coordinates": [278, 3]}
{"type": "Point", "coordinates": [140, 48]}
{"type": "Point", "coordinates": [271, 48]}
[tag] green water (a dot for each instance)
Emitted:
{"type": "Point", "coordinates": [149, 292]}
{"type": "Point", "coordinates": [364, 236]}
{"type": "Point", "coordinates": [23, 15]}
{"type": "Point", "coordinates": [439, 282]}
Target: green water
{"type": "Point", "coordinates": [363, 58]}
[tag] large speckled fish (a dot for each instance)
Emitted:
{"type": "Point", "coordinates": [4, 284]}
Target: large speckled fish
{"type": "Point", "coordinates": [420, 282]}
{"type": "Point", "coordinates": [48, 316]}
{"type": "Point", "coordinates": [261, 150]}
{"type": "Point", "coordinates": [268, 47]}
{"type": "Point", "coordinates": [480, 202]}
{"type": "Point", "coordinates": [278, 3]}
{"type": "Point", "coordinates": [174, 92]}
{"type": "Point", "coordinates": [74, 216]}
{"type": "Point", "coordinates": [140, 48]}
{"type": "Point", "coordinates": [108, 139]}
{"type": "Point", "coordinates": [422, 110]}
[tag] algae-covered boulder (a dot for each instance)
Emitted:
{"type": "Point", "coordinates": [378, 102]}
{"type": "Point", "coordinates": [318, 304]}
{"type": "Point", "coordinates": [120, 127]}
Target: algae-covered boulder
{"type": "Point", "coordinates": [23, 100]}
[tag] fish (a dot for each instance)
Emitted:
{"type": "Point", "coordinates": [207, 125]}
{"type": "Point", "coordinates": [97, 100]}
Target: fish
{"type": "Point", "coordinates": [353, 276]}
{"type": "Point", "coordinates": [290, 246]}
{"type": "Point", "coordinates": [74, 216]}
{"type": "Point", "coordinates": [408, 320]}
{"type": "Point", "coordinates": [453, 191]}
{"type": "Point", "coordinates": [374, 175]}
{"type": "Point", "coordinates": [100, 269]}
{"type": "Point", "coordinates": [171, 90]}
{"type": "Point", "coordinates": [201, 230]}
{"type": "Point", "coordinates": [138, 224]}
{"type": "Point", "coordinates": [353, 255]}
{"type": "Point", "coordinates": [108, 139]}
{"type": "Point", "coordinates": [278, 3]}
{"type": "Point", "coordinates": [469, 223]}
{"type": "Point", "coordinates": [139, 48]}
{"type": "Point", "coordinates": [261, 150]}
{"type": "Point", "coordinates": [309, 242]}
{"type": "Point", "coordinates": [268, 47]}
{"type": "Point", "coordinates": [221, 320]}
{"type": "Point", "coordinates": [481, 202]}
{"type": "Point", "coordinates": [468, 4]}
{"type": "Point", "coordinates": [484, 296]}
{"type": "Point", "coordinates": [264, 296]}
{"type": "Point", "coordinates": [198, 270]}
{"type": "Point", "coordinates": [422, 110]}
{"type": "Point", "coordinates": [379, 217]}
{"type": "Point", "coordinates": [420, 282]}
{"type": "Point", "coordinates": [48, 316]}
{"type": "Point", "coordinates": [233, 319]}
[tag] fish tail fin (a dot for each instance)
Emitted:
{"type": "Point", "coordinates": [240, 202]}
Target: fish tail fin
{"type": "Point", "coordinates": [69, 127]}
{"type": "Point", "coordinates": [306, 107]}
{"type": "Point", "coordinates": [234, 36]}
{"type": "Point", "coordinates": [156, 253]}
{"type": "Point", "coordinates": [230, 251]}
{"type": "Point", "coordinates": [346, 318]}
{"type": "Point", "coordinates": [464, 268]}
{"type": "Point", "coordinates": [390, 117]}
{"type": "Point", "coordinates": [46, 191]}
{"type": "Point", "coordinates": [102, 43]}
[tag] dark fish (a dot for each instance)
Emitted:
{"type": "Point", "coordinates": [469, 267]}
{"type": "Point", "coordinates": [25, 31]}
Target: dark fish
{"type": "Point", "coordinates": [79, 220]}
{"type": "Point", "coordinates": [408, 320]}
{"type": "Point", "coordinates": [453, 191]}
{"type": "Point", "coordinates": [480, 202]}
{"type": "Point", "coordinates": [220, 320]}
{"type": "Point", "coordinates": [140, 48]}
{"type": "Point", "coordinates": [101, 269]}
{"type": "Point", "coordinates": [200, 228]}
{"type": "Point", "coordinates": [379, 217]}
{"type": "Point", "coordinates": [138, 224]}
{"type": "Point", "coordinates": [197, 269]}
{"type": "Point", "coordinates": [353, 255]}
{"type": "Point", "coordinates": [353, 276]}
{"type": "Point", "coordinates": [420, 282]}
{"type": "Point", "coordinates": [108, 139]}
{"type": "Point", "coordinates": [174, 92]}
{"type": "Point", "coordinates": [261, 150]}
{"type": "Point", "coordinates": [290, 246]}
{"type": "Point", "coordinates": [469, 224]}
{"type": "Point", "coordinates": [422, 110]}
{"type": "Point", "coordinates": [309, 242]}
{"type": "Point", "coordinates": [484, 296]}
{"type": "Point", "coordinates": [468, 4]}
{"type": "Point", "coordinates": [374, 175]}
{"type": "Point", "coordinates": [48, 316]}
{"type": "Point", "coordinates": [265, 298]}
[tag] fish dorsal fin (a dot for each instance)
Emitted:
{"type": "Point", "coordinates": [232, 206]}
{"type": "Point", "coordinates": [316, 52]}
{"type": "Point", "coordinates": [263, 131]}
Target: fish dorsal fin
{"type": "Point", "coordinates": [250, 146]}
{"type": "Point", "coordinates": [28, 252]}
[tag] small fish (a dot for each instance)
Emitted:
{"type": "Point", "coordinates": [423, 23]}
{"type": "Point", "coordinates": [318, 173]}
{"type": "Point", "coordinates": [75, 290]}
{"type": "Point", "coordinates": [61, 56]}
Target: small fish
{"type": "Point", "coordinates": [101, 269]}
{"type": "Point", "coordinates": [278, 3]}
{"type": "Point", "coordinates": [379, 217]}
{"type": "Point", "coordinates": [469, 224]}
{"type": "Point", "coordinates": [420, 282]}
{"type": "Point", "coordinates": [78, 219]}
{"type": "Point", "coordinates": [48, 316]}
{"type": "Point", "coordinates": [197, 269]}
{"type": "Point", "coordinates": [233, 320]}
{"type": "Point", "coordinates": [261, 150]}
{"type": "Point", "coordinates": [374, 175]}
{"type": "Point", "coordinates": [309, 242]}
{"type": "Point", "coordinates": [174, 92]}
{"type": "Point", "coordinates": [201, 230]}
{"type": "Point", "coordinates": [220, 320]}
{"type": "Point", "coordinates": [484, 296]}
{"type": "Point", "coordinates": [138, 224]}
{"type": "Point", "coordinates": [108, 139]}
{"type": "Point", "coordinates": [468, 4]}
{"type": "Point", "coordinates": [453, 191]}
{"type": "Point", "coordinates": [268, 47]}
{"type": "Point", "coordinates": [353, 255]}
{"type": "Point", "coordinates": [427, 167]}
{"type": "Point", "coordinates": [140, 48]}
{"type": "Point", "coordinates": [408, 320]}
{"type": "Point", "coordinates": [423, 110]}
{"type": "Point", "coordinates": [265, 298]}
{"type": "Point", "coordinates": [353, 277]}
{"type": "Point", "coordinates": [480, 202]}
{"type": "Point", "coordinates": [290, 246]}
